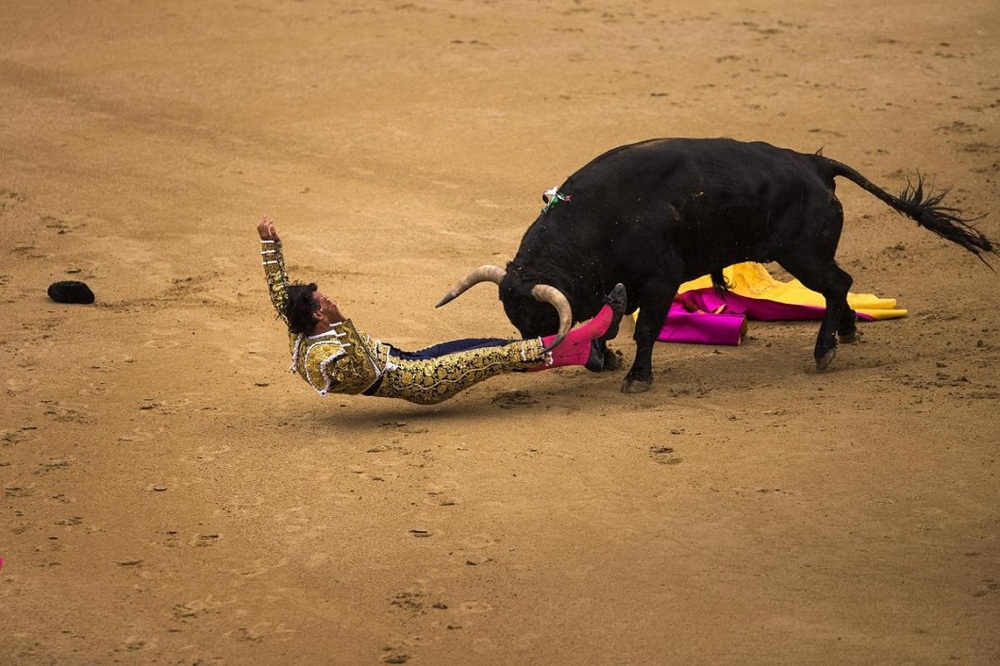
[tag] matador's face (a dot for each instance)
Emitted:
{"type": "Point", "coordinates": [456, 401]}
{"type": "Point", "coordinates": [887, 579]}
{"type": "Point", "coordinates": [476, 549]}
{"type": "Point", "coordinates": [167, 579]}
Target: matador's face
{"type": "Point", "coordinates": [328, 310]}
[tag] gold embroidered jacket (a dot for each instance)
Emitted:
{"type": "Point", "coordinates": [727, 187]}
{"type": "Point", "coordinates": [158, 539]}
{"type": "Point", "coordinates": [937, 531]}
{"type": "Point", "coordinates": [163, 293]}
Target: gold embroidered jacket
{"type": "Point", "coordinates": [343, 360]}
{"type": "Point", "coordinates": [347, 360]}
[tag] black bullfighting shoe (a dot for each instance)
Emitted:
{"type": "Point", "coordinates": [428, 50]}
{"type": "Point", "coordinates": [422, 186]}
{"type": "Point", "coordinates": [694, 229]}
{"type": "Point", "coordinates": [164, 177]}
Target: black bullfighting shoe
{"type": "Point", "coordinates": [616, 300]}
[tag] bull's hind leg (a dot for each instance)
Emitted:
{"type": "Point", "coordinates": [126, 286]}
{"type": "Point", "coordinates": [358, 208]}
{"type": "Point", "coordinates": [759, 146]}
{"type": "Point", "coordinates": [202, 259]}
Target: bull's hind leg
{"type": "Point", "coordinates": [830, 280]}
{"type": "Point", "coordinates": [848, 329]}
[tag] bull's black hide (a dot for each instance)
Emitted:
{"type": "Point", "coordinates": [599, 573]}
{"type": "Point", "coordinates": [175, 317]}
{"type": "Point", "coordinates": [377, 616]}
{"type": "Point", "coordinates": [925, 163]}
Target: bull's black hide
{"type": "Point", "coordinates": [654, 214]}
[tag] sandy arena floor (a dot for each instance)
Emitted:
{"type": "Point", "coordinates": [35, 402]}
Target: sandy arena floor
{"type": "Point", "coordinates": [170, 495]}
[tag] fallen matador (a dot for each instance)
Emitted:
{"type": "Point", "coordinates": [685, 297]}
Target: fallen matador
{"type": "Point", "coordinates": [334, 356]}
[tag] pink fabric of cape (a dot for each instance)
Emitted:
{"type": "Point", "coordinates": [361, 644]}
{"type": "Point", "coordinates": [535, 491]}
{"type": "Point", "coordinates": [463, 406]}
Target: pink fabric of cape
{"type": "Point", "coordinates": [700, 315]}
{"type": "Point", "coordinates": [702, 326]}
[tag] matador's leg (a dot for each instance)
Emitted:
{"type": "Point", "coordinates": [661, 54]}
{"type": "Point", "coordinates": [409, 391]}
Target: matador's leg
{"type": "Point", "coordinates": [430, 381]}
{"type": "Point", "coordinates": [434, 380]}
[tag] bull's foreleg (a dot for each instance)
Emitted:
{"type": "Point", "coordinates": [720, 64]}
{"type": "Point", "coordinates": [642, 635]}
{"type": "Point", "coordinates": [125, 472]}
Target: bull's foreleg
{"type": "Point", "coordinates": [654, 303]}
{"type": "Point", "coordinates": [611, 360]}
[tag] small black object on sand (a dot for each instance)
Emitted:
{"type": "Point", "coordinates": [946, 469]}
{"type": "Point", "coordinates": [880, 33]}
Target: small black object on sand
{"type": "Point", "coordinates": [71, 291]}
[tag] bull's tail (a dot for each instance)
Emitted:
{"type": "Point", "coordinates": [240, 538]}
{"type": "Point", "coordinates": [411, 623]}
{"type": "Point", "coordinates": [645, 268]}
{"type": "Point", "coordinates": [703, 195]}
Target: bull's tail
{"type": "Point", "coordinates": [926, 210]}
{"type": "Point", "coordinates": [720, 283]}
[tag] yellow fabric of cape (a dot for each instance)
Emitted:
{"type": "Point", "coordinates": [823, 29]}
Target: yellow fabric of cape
{"type": "Point", "coordinates": [752, 280]}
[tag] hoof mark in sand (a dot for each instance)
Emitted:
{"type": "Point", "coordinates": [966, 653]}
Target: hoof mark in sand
{"type": "Point", "coordinates": [478, 541]}
{"type": "Point", "coordinates": [140, 435]}
{"type": "Point", "coordinates": [198, 606]}
{"type": "Point", "coordinates": [475, 607]}
{"type": "Point", "coordinates": [15, 490]}
{"type": "Point", "coordinates": [206, 454]}
{"type": "Point", "coordinates": [52, 465]}
{"type": "Point", "coordinates": [438, 499]}
{"type": "Point", "coordinates": [203, 540]}
{"type": "Point", "coordinates": [989, 586]}
{"type": "Point", "coordinates": [260, 631]}
{"type": "Point", "coordinates": [133, 644]}
{"type": "Point", "coordinates": [664, 455]}
{"type": "Point", "coordinates": [260, 567]}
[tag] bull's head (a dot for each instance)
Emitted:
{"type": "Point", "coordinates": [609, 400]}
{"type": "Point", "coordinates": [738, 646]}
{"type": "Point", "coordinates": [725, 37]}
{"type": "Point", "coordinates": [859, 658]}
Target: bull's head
{"type": "Point", "coordinates": [526, 305]}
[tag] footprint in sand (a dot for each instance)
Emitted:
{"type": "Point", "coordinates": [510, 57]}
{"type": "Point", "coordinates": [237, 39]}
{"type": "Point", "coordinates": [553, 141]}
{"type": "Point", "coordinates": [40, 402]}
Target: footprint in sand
{"type": "Point", "coordinates": [440, 499]}
{"type": "Point", "coordinates": [239, 504]}
{"type": "Point", "coordinates": [135, 644]}
{"type": "Point", "coordinates": [478, 541]}
{"type": "Point", "coordinates": [377, 477]}
{"type": "Point", "coordinates": [260, 566]}
{"type": "Point", "coordinates": [664, 455]}
{"type": "Point", "coordinates": [442, 493]}
{"type": "Point", "coordinates": [205, 540]}
{"type": "Point", "coordinates": [474, 607]}
{"type": "Point", "coordinates": [140, 435]}
{"type": "Point", "coordinates": [261, 630]}
{"type": "Point", "coordinates": [53, 465]}
{"type": "Point", "coordinates": [162, 344]}
{"type": "Point", "coordinates": [173, 483]}
{"type": "Point", "coordinates": [206, 454]}
{"type": "Point", "coordinates": [16, 489]}
{"type": "Point", "coordinates": [317, 559]}
{"type": "Point", "coordinates": [171, 538]}
{"type": "Point", "coordinates": [296, 525]}
{"type": "Point", "coordinates": [197, 607]}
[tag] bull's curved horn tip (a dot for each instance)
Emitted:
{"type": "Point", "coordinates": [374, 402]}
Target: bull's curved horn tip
{"type": "Point", "coordinates": [549, 294]}
{"type": "Point", "coordinates": [552, 345]}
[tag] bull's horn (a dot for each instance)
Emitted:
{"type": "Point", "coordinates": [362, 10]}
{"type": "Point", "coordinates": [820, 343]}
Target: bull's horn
{"type": "Point", "coordinates": [551, 295]}
{"type": "Point", "coordinates": [488, 273]}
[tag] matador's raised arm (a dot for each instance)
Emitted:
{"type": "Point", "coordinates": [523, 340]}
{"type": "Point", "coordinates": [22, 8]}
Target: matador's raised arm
{"type": "Point", "coordinates": [274, 266]}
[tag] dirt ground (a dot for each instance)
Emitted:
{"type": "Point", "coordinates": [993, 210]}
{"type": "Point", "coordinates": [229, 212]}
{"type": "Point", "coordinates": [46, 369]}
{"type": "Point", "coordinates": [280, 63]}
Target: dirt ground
{"type": "Point", "coordinates": [171, 495]}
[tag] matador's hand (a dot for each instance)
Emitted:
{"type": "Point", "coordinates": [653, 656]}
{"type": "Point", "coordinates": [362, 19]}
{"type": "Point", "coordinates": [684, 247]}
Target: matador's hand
{"type": "Point", "coordinates": [267, 230]}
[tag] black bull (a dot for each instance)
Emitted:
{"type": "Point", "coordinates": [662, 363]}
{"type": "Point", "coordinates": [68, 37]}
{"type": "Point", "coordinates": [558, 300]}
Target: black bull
{"type": "Point", "coordinates": [655, 214]}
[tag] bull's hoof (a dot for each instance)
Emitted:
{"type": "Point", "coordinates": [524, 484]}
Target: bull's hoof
{"type": "Point", "coordinates": [595, 362]}
{"type": "Point", "coordinates": [823, 362]}
{"type": "Point", "coordinates": [612, 360]}
{"type": "Point", "coordinates": [636, 385]}
{"type": "Point", "coordinates": [849, 338]}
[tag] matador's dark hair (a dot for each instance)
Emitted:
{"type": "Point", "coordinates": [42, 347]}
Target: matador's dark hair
{"type": "Point", "coordinates": [300, 307]}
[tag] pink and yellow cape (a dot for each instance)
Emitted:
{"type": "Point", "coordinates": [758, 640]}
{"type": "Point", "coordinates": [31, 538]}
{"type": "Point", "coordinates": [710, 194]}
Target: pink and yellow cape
{"type": "Point", "coordinates": [701, 315]}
